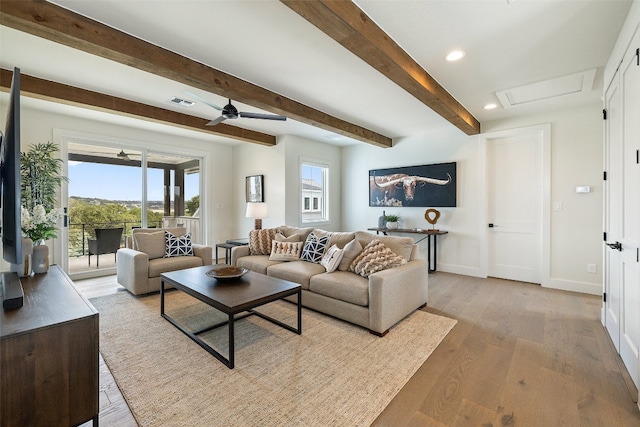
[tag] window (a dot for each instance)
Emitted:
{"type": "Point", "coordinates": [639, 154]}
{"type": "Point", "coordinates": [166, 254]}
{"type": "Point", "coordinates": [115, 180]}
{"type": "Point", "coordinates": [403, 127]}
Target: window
{"type": "Point", "coordinates": [314, 184]}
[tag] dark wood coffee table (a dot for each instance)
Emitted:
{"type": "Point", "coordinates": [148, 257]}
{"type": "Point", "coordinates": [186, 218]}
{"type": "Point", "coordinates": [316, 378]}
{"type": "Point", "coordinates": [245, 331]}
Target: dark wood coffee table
{"type": "Point", "coordinates": [230, 297]}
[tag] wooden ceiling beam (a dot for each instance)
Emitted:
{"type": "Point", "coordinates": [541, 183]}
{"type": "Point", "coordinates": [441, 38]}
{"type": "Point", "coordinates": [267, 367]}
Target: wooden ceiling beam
{"type": "Point", "coordinates": [52, 22]}
{"type": "Point", "coordinates": [57, 92]}
{"type": "Point", "coordinates": [347, 24]}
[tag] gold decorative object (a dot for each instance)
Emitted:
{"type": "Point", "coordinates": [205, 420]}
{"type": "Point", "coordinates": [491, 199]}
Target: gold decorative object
{"type": "Point", "coordinates": [432, 216]}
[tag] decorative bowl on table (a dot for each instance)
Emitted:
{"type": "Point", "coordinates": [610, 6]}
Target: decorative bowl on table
{"type": "Point", "coordinates": [227, 272]}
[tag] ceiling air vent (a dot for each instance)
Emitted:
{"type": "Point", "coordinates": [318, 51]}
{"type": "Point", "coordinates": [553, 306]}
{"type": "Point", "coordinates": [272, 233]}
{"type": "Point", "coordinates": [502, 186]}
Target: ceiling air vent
{"type": "Point", "coordinates": [548, 89]}
{"type": "Point", "coordinates": [183, 102]}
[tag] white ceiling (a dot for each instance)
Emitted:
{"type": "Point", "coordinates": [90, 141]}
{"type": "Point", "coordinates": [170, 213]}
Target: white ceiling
{"type": "Point", "coordinates": [508, 44]}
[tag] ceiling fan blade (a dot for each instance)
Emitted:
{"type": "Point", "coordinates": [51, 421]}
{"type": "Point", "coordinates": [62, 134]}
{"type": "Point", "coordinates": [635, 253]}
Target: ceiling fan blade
{"type": "Point", "coordinates": [262, 116]}
{"type": "Point", "coordinates": [217, 121]}
{"type": "Point", "coordinates": [204, 101]}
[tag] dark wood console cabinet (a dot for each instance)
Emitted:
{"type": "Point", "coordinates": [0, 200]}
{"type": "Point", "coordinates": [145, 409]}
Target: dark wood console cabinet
{"type": "Point", "coordinates": [49, 355]}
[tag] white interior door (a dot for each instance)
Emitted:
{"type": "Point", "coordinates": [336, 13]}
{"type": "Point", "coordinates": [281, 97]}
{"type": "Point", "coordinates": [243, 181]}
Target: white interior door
{"type": "Point", "coordinates": [613, 186]}
{"type": "Point", "coordinates": [630, 221]}
{"type": "Point", "coordinates": [515, 180]}
{"type": "Point", "coordinates": [622, 212]}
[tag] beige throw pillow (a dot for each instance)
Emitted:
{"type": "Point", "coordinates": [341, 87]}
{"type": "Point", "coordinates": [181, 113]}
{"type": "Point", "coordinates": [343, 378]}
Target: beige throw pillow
{"type": "Point", "coordinates": [376, 256]}
{"type": "Point", "coordinates": [150, 243]}
{"type": "Point", "coordinates": [281, 238]}
{"type": "Point", "coordinates": [285, 251]}
{"type": "Point", "coordinates": [349, 252]}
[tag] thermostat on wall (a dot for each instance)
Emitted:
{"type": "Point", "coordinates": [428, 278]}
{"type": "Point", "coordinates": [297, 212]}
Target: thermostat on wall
{"type": "Point", "coordinates": [585, 189]}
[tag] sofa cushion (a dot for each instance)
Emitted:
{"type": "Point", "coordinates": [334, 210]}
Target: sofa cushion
{"type": "Point", "coordinates": [162, 265]}
{"type": "Point", "coordinates": [285, 251]}
{"type": "Point", "coordinates": [279, 237]}
{"type": "Point", "coordinates": [150, 243]}
{"type": "Point", "coordinates": [342, 285]}
{"type": "Point", "coordinates": [331, 258]}
{"type": "Point", "coordinates": [177, 245]}
{"type": "Point", "coordinates": [289, 231]}
{"type": "Point", "coordinates": [314, 248]}
{"type": "Point", "coordinates": [349, 253]}
{"type": "Point", "coordinates": [295, 271]}
{"type": "Point", "coordinates": [341, 238]}
{"type": "Point", "coordinates": [257, 263]}
{"type": "Point", "coordinates": [401, 246]}
{"type": "Point", "coordinates": [260, 241]}
{"type": "Point", "coordinates": [376, 256]}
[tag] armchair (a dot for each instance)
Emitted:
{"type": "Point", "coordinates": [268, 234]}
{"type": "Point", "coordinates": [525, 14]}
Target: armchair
{"type": "Point", "coordinates": [142, 261]}
{"type": "Point", "coordinates": [107, 241]}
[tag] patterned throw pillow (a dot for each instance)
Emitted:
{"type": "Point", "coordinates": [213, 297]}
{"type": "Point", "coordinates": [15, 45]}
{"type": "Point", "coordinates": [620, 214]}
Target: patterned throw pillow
{"type": "Point", "coordinates": [260, 241]}
{"type": "Point", "coordinates": [285, 251]}
{"type": "Point", "coordinates": [177, 246]}
{"type": "Point", "coordinates": [376, 256]}
{"type": "Point", "coordinates": [331, 258]}
{"type": "Point", "coordinates": [314, 248]}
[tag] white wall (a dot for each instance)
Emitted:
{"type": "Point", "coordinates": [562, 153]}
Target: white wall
{"type": "Point", "coordinates": [280, 166]}
{"type": "Point", "coordinates": [459, 251]}
{"type": "Point", "coordinates": [576, 159]}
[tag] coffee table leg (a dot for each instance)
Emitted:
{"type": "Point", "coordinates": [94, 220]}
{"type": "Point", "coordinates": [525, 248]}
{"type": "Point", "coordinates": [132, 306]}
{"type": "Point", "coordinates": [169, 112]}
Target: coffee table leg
{"type": "Point", "coordinates": [231, 342]}
{"type": "Point", "coordinates": [300, 311]}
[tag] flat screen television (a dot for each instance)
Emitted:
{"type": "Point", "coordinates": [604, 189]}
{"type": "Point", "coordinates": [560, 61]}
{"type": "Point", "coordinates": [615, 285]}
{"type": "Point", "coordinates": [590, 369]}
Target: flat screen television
{"type": "Point", "coordinates": [10, 184]}
{"type": "Point", "coordinates": [12, 292]}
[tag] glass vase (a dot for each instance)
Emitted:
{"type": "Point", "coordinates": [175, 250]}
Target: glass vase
{"type": "Point", "coordinates": [40, 257]}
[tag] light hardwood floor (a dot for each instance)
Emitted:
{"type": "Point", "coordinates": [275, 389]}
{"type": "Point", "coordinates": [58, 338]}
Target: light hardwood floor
{"type": "Point", "coordinates": [520, 355]}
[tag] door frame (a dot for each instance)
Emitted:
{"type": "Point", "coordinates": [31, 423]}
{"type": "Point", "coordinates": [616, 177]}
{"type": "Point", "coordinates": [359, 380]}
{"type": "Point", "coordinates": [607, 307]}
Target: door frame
{"type": "Point", "coordinates": [544, 131]}
{"type": "Point", "coordinates": [62, 137]}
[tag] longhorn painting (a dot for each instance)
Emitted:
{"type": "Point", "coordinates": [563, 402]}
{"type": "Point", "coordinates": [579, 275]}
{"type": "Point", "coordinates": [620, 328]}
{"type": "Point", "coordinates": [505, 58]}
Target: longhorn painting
{"type": "Point", "coordinates": [420, 186]}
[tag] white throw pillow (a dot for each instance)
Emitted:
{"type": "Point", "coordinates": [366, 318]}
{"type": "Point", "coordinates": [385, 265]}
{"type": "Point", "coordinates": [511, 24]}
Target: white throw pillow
{"type": "Point", "coordinates": [331, 258]}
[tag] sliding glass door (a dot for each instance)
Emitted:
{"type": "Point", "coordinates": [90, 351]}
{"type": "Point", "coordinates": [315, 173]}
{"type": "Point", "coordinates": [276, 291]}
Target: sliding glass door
{"type": "Point", "coordinates": [117, 188]}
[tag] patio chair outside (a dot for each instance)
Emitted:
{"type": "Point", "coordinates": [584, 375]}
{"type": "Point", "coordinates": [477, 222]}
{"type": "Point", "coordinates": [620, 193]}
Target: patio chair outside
{"type": "Point", "coordinates": [107, 241]}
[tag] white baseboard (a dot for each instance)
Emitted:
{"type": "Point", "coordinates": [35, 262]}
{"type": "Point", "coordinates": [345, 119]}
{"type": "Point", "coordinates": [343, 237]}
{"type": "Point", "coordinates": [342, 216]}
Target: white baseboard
{"type": "Point", "coordinates": [460, 269]}
{"type": "Point", "coordinates": [570, 285]}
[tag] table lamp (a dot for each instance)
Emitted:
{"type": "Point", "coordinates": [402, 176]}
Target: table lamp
{"type": "Point", "coordinates": [257, 210]}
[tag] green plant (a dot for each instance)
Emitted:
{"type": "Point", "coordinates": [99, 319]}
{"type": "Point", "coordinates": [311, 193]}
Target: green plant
{"type": "Point", "coordinates": [40, 176]}
{"type": "Point", "coordinates": [40, 179]}
{"type": "Point", "coordinates": [392, 218]}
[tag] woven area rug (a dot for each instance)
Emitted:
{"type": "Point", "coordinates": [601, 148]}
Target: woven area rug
{"type": "Point", "coordinates": [334, 374]}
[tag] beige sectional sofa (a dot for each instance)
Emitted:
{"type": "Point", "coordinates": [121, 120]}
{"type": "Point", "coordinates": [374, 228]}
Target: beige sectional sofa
{"type": "Point", "coordinates": [376, 302]}
{"type": "Point", "coordinates": [142, 261]}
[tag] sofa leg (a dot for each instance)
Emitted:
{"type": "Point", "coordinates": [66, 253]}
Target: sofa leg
{"type": "Point", "coordinates": [422, 306]}
{"type": "Point", "coordinates": [379, 334]}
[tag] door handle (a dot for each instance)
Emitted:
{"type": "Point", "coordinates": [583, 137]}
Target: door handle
{"type": "Point", "coordinates": [491, 225]}
{"type": "Point", "coordinates": [616, 246]}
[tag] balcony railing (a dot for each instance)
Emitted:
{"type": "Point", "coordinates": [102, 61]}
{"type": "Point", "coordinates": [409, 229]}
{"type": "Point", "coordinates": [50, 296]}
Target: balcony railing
{"type": "Point", "coordinates": [80, 232]}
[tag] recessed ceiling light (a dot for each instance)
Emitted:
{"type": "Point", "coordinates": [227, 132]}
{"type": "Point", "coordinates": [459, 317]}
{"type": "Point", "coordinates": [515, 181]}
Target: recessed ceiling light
{"type": "Point", "coordinates": [454, 55]}
{"type": "Point", "coordinates": [490, 106]}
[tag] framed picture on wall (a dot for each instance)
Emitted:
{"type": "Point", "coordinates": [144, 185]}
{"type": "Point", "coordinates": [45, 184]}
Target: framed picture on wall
{"type": "Point", "coordinates": [254, 187]}
{"type": "Point", "coordinates": [425, 185]}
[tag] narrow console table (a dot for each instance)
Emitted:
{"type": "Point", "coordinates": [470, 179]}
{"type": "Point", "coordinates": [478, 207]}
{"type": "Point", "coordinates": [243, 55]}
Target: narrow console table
{"type": "Point", "coordinates": [432, 256]}
{"type": "Point", "coordinates": [49, 355]}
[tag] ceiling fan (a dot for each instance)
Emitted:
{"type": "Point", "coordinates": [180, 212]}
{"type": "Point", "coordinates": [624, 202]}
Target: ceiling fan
{"type": "Point", "coordinates": [124, 156]}
{"type": "Point", "coordinates": [231, 112]}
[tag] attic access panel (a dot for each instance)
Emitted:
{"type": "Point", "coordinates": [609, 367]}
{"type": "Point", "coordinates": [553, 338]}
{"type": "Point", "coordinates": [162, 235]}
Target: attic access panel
{"type": "Point", "coordinates": [417, 186]}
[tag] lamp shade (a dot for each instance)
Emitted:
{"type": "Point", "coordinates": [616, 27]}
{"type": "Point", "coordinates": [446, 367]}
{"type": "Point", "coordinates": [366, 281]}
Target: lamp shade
{"type": "Point", "coordinates": [257, 210]}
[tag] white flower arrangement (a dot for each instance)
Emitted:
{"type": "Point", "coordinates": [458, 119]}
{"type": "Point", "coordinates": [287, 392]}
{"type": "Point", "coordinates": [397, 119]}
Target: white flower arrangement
{"type": "Point", "coordinates": [39, 225]}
